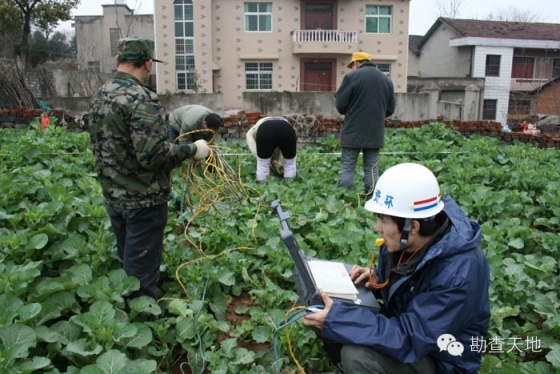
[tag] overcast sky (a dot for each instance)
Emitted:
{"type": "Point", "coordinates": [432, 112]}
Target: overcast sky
{"type": "Point", "coordinates": [423, 13]}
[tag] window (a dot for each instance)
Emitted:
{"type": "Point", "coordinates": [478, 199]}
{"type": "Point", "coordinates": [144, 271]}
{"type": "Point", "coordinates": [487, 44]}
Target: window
{"type": "Point", "coordinates": [93, 66]}
{"type": "Point", "coordinates": [384, 68]}
{"type": "Point", "coordinates": [493, 65]}
{"type": "Point", "coordinates": [378, 19]}
{"type": "Point", "coordinates": [489, 109]}
{"type": "Point", "coordinates": [519, 106]}
{"type": "Point", "coordinates": [184, 45]}
{"type": "Point", "coordinates": [556, 68]}
{"type": "Point", "coordinates": [258, 16]}
{"type": "Point", "coordinates": [114, 35]}
{"type": "Point", "coordinates": [522, 67]}
{"type": "Point", "coordinates": [258, 75]}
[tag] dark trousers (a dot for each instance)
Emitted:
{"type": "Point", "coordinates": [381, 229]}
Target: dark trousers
{"type": "Point", "coordinates": [276, 133]}
{"type": "Point", "coordinates": [357, 359]}
{"type": "Point", "coordinates": [139, 235]}
{"type": "Point", "coordinates": [348, 160]}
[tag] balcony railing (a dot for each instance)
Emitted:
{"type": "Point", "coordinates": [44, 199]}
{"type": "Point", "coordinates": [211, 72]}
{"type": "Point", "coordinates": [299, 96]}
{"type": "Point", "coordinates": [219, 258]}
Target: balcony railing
{"type": "Point", "coordinates": [325, 36]}
{"type": "Point", "coordinates": [324, 42]}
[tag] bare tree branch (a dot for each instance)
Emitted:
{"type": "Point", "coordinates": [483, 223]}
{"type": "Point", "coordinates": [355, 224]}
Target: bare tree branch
{"type": "Point", "coordinates": [512, 14]}
{"type": "Point", "coordinates": [448, 8]}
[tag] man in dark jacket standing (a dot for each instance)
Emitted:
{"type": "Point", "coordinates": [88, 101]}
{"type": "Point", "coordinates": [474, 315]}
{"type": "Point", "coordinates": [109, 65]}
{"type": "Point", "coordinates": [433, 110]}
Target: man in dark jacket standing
{"type": "Point", "coordinates": [433, 278]}
{"type": "Point", "coordinates": [133, 159]}
{"type": "Point", "coordinates": [365, 98]}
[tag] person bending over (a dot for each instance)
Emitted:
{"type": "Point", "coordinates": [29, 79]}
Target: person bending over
{"type": "Point", "coordinates": [270, 139]}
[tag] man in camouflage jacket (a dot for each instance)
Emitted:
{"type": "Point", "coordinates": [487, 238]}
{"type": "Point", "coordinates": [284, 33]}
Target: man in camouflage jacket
{"type": "Point", "coordinates": [133, 159]}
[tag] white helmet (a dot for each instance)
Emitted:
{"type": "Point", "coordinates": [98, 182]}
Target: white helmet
{"type": "Point", "coordinates": [406, 190]}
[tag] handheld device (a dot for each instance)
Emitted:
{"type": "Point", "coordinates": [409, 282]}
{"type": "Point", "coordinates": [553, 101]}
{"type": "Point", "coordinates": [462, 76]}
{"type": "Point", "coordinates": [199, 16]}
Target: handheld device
{"type": "Point", "coordinates": [305, 284]}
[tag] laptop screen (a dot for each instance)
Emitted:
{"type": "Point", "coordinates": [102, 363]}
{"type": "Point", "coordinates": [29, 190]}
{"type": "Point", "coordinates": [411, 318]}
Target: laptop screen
{"type": "Point", "coordinates": [305, 284]}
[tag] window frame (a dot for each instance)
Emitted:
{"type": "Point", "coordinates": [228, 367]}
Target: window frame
{"type": "Point", "coordinates": [261, 16]}
{"type": "Point", "coordinates": [523, 68]}
{"type": "Point", "coordinates": [114, 37]}
{"type": "Point", "coordinates": [263, 69]}
{"type": "Point", "coordinates": [94, 66]}
{"type": "Point", "coordinates": [185, 73]}
{"type": "Point", "coordinates": [489, 109]}
{"type": "Point", "coordinates": [379, 16]}
{"type": "Point", "coordinates": [491, 68]}
{"type": "Point", "coordinates": [555, 68]}
{"type": "Point", "coordinates": [384, 67]}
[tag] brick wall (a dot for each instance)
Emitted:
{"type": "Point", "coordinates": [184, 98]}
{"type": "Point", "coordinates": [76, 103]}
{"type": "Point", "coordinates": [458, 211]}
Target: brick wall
{"type": "Point", "coordinates": [548, 100]}
{"type": "Point", "coordinates": [308, 127]}
{"type": "Point", "coordinates": [312, 127]}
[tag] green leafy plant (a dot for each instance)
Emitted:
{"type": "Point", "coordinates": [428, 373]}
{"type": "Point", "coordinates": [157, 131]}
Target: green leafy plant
{"type": "Point", "coordinates": [64, 294]}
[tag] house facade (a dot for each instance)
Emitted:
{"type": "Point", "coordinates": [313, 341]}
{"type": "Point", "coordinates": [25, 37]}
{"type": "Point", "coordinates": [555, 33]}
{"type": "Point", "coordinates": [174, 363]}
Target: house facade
{"type": "Point", "coordinates": [234, 46]}
{"type": "Point", "coordinates": [97, 36]}
{"type": "Point", "coordinates": [512, 58]}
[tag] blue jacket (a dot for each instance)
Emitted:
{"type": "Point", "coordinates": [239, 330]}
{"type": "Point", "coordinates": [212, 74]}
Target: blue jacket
{"type": "Point", "coordinates": [446, 294]}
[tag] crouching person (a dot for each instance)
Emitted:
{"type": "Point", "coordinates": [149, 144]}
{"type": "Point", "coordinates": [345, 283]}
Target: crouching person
{"type": "Point", "coordinates": [432, 277]}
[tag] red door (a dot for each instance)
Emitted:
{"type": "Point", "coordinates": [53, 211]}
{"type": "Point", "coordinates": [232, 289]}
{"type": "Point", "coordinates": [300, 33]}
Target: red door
{"type": "Point", "coordinates": [317, 75]}
{"type": "Point", "coordinates": [318, 15]}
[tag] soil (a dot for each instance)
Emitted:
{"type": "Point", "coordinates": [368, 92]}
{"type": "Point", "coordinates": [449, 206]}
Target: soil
{"type": "Point", "coordinates": [234, 319]}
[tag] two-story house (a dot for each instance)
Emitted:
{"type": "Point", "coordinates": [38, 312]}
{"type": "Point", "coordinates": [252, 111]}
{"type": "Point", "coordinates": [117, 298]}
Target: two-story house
{"type": "Point", "coordinates": [97, 36]}
{"type": "Point", "coordinates": [235, 46]}
{"type": "Point", "coordinates": [513, 59]}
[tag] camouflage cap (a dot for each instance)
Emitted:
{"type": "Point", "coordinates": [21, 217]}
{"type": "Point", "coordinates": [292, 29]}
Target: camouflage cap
{"type": "Point", "coordinates": [134, 48]}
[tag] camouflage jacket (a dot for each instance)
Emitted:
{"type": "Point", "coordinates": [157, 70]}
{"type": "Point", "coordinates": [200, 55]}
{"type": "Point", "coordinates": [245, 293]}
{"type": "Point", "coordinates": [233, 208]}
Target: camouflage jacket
{"type": "Point", "coordinates": [132, 153]}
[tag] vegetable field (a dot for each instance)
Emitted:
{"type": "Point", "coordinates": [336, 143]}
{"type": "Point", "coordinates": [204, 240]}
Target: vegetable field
{"type": "Point", "coordinates": [226, 282]}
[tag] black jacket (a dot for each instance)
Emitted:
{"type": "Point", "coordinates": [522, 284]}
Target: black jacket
{"type": "Point", "coordinates": [365, 97]}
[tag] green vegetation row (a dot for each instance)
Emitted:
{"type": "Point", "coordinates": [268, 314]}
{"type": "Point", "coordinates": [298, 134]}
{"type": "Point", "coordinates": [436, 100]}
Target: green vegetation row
{"type": "Point", "coordinates": [63, 292]}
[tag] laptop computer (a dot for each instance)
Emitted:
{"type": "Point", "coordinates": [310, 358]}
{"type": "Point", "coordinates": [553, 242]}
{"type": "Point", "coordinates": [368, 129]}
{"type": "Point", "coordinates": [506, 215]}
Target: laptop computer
{"type": "Point", "coordinates": [305, 283]}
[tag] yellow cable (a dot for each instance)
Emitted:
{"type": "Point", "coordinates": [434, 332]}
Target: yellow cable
{"type": "Point", "coordinates": [286, 316]}
{"type": "Point", "coordinates": [211, 183]}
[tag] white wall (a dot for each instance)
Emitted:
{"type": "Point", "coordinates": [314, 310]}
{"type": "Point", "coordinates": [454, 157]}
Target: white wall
{"type": "Point", "coordinates": [497, 88]}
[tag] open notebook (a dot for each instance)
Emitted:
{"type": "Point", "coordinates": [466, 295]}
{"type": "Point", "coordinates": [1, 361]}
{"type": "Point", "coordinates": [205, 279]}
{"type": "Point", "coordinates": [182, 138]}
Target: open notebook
{"type": "Point", "coordinates": [312, 274]}
{"type": "Point", "coordinates": [332, 277]}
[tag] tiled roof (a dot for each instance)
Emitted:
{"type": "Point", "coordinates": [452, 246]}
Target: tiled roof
{"type": "Point", "coordinates": [414, 42]}
{"type": "Point", "coordinates": [501, 29]}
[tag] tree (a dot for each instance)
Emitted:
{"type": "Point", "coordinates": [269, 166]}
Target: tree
{"type": "Point", "coordinates": [43, 48]}
{"type": "Point", "coordinates": [45, 14]}
{"type": "Point", "coordinates": [448, 8]}
{"type": "Point", "coordinates": [38, 49]}
{"type": "Point", "coordinates": [10, 19]}
{"type": "Point", "coordinates": [59, 46]}
{"type": "Point", "coordinates": [512, 14]}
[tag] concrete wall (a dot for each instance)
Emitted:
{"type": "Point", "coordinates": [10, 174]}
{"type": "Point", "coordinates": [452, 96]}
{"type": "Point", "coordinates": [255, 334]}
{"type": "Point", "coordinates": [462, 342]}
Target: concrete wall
{"type": "Point", "coordinates": [93, 38]}
{"type": "Point", "coordinates": [413, 69]}
{"type": "Point", "coordinates": [214, 101]}
{"type": "Point", "coordinates": [463, 97]}
{"type": "Point", "coordinates": [78, 82]}
{"type": "Point", "coordinates": [438, 59]}
{"type": "Point", "coordinates": [409, 106]}
{"type": "Point", "coordinates": [170, 102]}
{"type": "Point", "coordinates": [283, 103]}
